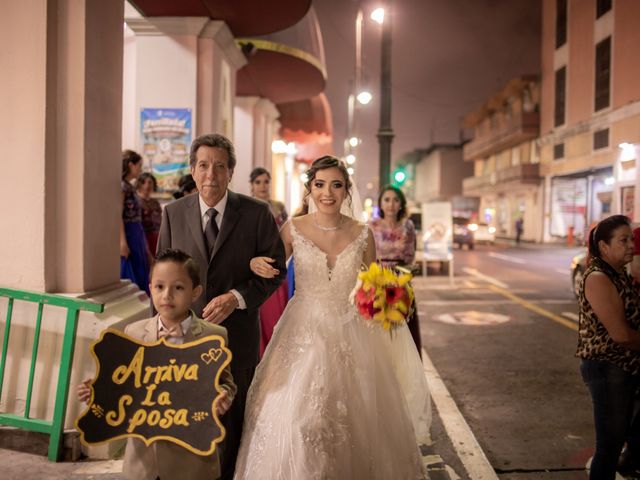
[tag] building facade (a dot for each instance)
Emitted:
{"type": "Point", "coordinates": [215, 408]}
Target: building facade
{"type": "Point", "coordinates": [589, 113]}
{"type": "Point", "coordinates": [505, 157]}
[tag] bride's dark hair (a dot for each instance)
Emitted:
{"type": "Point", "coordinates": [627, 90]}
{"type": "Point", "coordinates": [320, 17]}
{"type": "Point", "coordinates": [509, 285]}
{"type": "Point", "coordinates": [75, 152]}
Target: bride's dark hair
{"type": "Point", "coordinates": [323, 163]}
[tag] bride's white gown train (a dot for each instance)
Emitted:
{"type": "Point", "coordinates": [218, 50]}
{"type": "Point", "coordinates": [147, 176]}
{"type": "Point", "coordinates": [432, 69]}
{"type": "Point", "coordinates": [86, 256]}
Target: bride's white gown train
{"type": "Point", "coordinates": [334, 399]}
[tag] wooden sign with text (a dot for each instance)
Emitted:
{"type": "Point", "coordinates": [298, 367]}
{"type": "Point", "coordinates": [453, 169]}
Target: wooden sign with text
{"type": "Point", "coordinates": [156, 391]}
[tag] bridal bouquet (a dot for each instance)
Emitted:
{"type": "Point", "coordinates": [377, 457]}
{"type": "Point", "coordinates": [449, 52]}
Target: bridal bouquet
{"type": "Point", "coordinates": [383, 297]}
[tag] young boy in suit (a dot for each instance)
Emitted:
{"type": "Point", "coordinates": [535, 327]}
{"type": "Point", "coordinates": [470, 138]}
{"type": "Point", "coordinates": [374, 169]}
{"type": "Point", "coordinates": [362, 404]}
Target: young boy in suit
{"type": "Point", "coordinates": [175, 284]}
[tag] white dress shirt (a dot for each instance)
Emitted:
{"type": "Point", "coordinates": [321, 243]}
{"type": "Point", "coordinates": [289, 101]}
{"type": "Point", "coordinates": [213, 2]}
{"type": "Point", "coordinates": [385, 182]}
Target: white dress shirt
{"type": "Point", "coordinates": [184, 325]}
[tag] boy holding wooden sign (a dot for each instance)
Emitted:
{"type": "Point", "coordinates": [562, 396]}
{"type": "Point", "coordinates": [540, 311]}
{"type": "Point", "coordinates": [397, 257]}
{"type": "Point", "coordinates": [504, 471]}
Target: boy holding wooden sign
{"type": "Point", "coordinates": [175, 284]}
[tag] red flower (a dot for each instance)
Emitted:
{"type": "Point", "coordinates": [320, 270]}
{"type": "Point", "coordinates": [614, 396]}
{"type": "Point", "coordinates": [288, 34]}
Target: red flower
{"type": "Point", "coordinates": [395, 294]}
{"type": "Point", "coordinates": [364, 302]}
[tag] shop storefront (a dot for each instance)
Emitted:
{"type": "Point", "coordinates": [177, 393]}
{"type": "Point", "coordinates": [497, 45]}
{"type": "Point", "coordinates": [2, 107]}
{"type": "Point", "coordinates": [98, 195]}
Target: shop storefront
{"type": "Point", "coordinates": [580, 200]}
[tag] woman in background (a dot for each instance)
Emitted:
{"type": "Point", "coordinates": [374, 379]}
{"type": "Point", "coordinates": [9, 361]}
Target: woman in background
{"type": "Point", "coordinates": [134, 253]}
{"type": "Point", "coordinates": [151, 209]}
{"type": "Point", "coordinates": [395, 237]}
{"type": "Point", "coordinates": [272, 308]}
{"type": "Point", "coordinates": [609, 346]}
{"type": "Point", "coordinates": [186, 186]}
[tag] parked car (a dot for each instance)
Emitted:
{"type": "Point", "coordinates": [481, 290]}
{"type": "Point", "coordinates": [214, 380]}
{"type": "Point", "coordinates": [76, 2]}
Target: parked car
{"type": "Point", "coordinates": [483, 232]}
{"type": "Point", "coordinates": [462, 233]}
{"type": "Point", "coordinates": [578, 267]}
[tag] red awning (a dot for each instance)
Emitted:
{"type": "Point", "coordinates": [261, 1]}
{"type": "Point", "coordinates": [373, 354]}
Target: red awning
{"type": "Point", "coordinates": [285, 66]}
{"type": "Point", "coordinates": [281, 74]}
{"type": "Point", "coordinates": [308, 123]}
{"type": "Point", "coordinates": [244, 17]}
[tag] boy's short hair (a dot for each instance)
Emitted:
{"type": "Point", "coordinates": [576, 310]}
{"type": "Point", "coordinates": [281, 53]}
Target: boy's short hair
{"type": "Point", "coordinates": [178, 256]}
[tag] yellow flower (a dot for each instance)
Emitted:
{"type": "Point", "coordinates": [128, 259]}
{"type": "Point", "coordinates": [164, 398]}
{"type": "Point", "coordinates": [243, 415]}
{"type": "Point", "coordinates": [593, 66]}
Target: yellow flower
{"type": "Point", "coordinates": [388, 315]}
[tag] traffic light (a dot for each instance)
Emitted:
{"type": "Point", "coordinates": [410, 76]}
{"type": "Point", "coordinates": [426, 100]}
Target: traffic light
{"type": "Point", "coordinates": [399, 176]}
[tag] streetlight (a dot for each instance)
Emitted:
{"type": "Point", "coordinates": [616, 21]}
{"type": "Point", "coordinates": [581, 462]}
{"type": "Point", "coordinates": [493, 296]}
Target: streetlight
{"type": "Point", "coordinates": [357, 94]}
{"type": "Point", "coordinates": [378, 15]}
{"type": "Point", "coordinates": [364, 97]}
{"type": "Point", "coordinates": [385, 132]}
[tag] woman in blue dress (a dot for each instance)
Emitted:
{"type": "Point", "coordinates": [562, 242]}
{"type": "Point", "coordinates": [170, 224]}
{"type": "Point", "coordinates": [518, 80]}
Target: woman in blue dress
{"type": "Point", "coordinates": [134, 253]}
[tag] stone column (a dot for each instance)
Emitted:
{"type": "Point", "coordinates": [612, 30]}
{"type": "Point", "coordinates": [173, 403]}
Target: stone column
{"type": "Point", "coordinates": [60, 185]}
{"type": "Point", "coordinates": [62, 77]}
{"type": "Point", "coordinates": [256, 126]}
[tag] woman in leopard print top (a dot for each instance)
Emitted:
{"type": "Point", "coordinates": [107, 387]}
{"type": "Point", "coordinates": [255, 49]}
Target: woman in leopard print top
{"type": "Point", "coordinates": [609, 344]}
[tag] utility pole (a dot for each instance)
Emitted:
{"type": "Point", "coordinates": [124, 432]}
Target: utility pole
{"type": "Point", "coordinates": [385, 132]}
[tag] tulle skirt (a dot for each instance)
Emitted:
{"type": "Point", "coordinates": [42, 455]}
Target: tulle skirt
{"type": "Point", "coordinates": [334, 398]}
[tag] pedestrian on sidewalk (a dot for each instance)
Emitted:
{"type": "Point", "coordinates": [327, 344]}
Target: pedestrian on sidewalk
{"type": "Point", "coordinates": [519, 229]}
{"type": "Point", "coordinates": [609, 346]}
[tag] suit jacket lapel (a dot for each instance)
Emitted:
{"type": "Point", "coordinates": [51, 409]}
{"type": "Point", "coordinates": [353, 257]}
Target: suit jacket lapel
{"type": "Point", "coordinates": [229, 220]}
{"type": "Point", "coordinates": [151, 330]}
{"type": "Point", "coordinates": [194, 220]}
{"type": "Point", "coordinates": [195, 329]}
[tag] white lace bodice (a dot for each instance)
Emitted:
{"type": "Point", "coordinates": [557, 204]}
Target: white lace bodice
{"type": "Point", "coordinates": [315, 279]}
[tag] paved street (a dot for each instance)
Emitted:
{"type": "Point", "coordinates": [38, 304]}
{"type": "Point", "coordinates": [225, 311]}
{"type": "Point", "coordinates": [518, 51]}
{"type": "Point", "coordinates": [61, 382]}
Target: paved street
{"type": "Point", "coordinates": [503, 341]}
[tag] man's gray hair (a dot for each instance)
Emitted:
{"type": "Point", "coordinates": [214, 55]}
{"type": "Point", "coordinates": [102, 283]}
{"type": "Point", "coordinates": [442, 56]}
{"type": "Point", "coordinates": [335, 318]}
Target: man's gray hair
{"type": "Point", "coordinates": [213, 140]}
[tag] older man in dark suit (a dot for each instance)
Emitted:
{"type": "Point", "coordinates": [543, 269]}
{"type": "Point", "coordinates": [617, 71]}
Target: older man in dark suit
{"type": "Point", "coordinates": [222, 231]}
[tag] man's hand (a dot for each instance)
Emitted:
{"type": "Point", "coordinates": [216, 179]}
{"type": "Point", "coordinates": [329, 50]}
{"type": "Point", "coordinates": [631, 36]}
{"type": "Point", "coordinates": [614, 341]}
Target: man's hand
{"type": "Point", "coordinates": [223, 404]}
{"type": "Point", "coordinates": [219, 308]}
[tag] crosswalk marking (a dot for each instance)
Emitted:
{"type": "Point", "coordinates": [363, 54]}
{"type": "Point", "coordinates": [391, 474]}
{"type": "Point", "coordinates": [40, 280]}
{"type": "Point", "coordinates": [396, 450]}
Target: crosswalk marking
{"type": "Point", "coordinates": [486, 278]}
{"type": "Point", "coordinates": [507, 258]}
{"type": "Point", "coordinates": [535, 308]}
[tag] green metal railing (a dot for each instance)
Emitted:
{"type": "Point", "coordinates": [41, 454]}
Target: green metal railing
{"type": "Point", "coordinates": [54, 428]}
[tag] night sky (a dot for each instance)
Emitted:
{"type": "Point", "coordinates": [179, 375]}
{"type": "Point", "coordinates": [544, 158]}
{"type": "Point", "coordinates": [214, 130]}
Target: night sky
{"type": "Point", "coordinates": [448, 57]}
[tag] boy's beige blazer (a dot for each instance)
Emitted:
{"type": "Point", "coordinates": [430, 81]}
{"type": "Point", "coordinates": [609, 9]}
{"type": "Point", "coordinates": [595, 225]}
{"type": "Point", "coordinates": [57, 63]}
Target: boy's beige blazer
{"type": "Point", "coordinates": [166, 459]}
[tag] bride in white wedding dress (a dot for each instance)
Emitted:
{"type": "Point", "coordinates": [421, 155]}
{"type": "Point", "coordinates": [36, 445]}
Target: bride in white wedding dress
{"type": "Point", "coordinates": [333, 398]}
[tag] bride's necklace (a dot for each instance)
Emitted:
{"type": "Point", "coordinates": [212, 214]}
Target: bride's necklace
{"type": "Point", "coordinates": [327, 229]}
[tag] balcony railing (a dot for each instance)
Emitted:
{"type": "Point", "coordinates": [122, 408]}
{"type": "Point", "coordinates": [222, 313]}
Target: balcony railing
{"type": "Point", "coordinates": [528, 173]}
{"type": "Point", "coordinates": [521, 127]}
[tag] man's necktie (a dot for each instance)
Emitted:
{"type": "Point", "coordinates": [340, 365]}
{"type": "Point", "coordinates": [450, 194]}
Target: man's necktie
{"type": "Point", "coordinates": [211, 230]}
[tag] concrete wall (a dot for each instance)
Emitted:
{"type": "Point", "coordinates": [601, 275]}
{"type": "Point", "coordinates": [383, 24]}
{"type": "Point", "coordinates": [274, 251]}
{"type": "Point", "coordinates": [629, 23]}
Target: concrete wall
{"type": "Point", "coordinates": [255, 127]}
{"type": "Point", "coordinates": [626, 68]}
{"type": "Point", "coordinates": [61, 125]}
{"type": "Point", "coordinates": [60, 188]}
{"type": "Point", "coordinates": [428, 176]}
{"type": "Point", "coordinates": [453, 170]}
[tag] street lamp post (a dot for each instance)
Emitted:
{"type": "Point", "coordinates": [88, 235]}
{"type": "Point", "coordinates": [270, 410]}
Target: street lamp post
{"type": "Point", "coordinates": [356, 94]}
{"type": "Point", "coordinates": [385, 132]}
